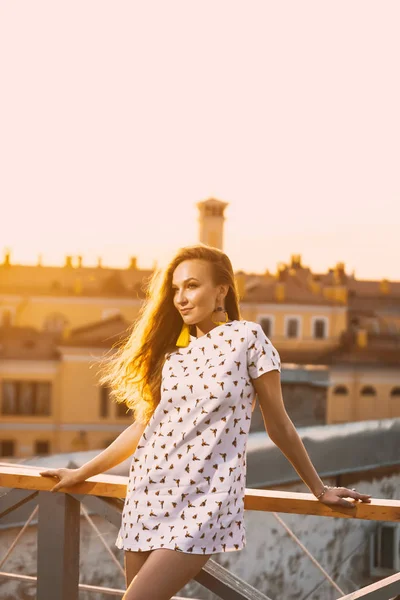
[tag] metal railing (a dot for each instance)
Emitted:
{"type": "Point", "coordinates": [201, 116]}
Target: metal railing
{"type": "Point", "coordinates": [59, 537]}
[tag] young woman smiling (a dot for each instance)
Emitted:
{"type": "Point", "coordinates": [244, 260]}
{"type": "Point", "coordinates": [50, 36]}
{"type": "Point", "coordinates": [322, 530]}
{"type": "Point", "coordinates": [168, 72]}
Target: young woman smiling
{"type": "Point", "coordinates": [191, 370]}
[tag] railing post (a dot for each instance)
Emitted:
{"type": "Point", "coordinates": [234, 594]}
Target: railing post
{"type": "Point", "coordinates": [58, 547]}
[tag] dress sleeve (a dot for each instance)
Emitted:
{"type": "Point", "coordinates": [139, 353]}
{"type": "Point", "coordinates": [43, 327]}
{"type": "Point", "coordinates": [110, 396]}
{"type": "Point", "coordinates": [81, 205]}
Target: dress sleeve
{"type": "Point", "coordinates": [262, 356]}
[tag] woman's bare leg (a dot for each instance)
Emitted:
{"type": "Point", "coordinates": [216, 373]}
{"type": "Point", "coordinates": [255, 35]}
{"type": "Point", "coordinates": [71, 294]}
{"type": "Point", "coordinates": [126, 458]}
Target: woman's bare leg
{"type": "Point", "coordinates": [133, 563]}
{"type": "Point", "coordinates": [164, 573]}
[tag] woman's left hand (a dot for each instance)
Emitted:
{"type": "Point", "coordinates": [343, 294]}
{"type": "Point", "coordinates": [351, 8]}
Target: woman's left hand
{"type": "Point", "coordinates": [335, 496]}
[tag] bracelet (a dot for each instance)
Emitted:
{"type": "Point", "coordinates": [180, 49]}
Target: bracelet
{"type": "Point", "coordinates": [326, 488]}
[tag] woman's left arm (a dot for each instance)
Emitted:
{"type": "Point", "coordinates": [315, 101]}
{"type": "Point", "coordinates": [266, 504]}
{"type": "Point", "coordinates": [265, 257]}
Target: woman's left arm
{"type": "Point", "coordinates": [283, 433]}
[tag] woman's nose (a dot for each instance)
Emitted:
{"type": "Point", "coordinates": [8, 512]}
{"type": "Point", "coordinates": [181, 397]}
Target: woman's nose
{"type": "Point", "coordinates": [180, 297]}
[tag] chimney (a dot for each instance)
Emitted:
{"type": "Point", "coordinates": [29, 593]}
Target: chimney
{"type": "Point", "coordinates": [281, 271]}
{"type": "Point", "coordinates": [361, 338]}
{"type": "Point", "coordinates": [133, 263]}
{"type": "Point", "coordinates": [295, 261]}
{"type": "Point", "coordinates": [314, 284]}
{"type": "Point", "coordinates": [384, 286]}
{"type": "Point", "coordinates": [339, 272]}
{"type": "Point", "coordinates": [7, 258]}
{"type": "Point", "coordinates": [79, 259]}
{"type": "Point", "coordinates": [279, 291]}
{"type": "Point", "coordinates": [99, 262]}
{"type": "Point", "coordinates": [78, 286]}
{"type": "Point", "coordinates": [68, 262]}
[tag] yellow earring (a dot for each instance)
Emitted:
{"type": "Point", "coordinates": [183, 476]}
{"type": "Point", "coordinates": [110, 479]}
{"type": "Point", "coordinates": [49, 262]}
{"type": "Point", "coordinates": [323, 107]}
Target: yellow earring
{"type": "Point", "coordinates": [184, 336]}
{"type": "Point", "coordinates": [218, 309]}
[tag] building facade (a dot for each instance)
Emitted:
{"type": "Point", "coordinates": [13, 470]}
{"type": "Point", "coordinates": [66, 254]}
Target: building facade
{"type": "Point", "coordinates": [339, 341]}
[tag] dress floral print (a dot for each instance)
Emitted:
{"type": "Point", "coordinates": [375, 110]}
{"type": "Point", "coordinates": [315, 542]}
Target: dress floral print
{"type": "Point", "coordinates": [188, 473]}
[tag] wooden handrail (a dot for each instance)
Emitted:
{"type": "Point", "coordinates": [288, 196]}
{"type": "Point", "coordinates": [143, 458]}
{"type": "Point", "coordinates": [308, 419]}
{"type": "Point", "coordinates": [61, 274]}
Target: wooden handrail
{"type": "Point", "coordinates": [114, 486]}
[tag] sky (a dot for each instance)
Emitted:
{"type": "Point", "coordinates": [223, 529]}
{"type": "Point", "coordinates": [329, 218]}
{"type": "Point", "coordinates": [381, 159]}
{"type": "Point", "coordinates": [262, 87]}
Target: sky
{"type": "Point", "coordinates": [116, 118]}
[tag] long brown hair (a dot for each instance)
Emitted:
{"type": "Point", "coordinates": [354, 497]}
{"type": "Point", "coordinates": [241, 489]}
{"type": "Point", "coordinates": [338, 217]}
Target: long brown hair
{"type": "Point", "coordinates": [133, 374]}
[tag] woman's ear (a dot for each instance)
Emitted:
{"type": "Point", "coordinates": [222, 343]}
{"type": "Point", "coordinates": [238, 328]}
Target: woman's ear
{"type": "Point", "coordinates": [224, 289]}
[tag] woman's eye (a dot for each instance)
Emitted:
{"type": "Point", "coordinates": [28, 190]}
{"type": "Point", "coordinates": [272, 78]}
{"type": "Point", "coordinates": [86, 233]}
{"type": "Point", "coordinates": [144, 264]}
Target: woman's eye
{"type": "Point", "coordinates": [192, 285]}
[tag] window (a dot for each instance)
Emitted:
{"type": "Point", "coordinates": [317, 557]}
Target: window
{"type": "Point", "coordinates": [212, 211]}
{"type": "Point", "coordinates": [7, 448]}
{"type": "Point", "coordinates": [42, 447]}
{"type": "Point", "coordinates": [395, 391]}
{"type": "Point", "coordinates": [104, 401]}
{"type": "Point", "coordinates": [6, 318]}
{"type": "Point", "coordinates": [384, 554]}
{"type": "Point", "coordinates": [368, 390]}
{"type": "Point", "coordinates": [121, 410]}
{"type": "Point", "coordinates": [43, 395]}
{"type": "Point", "coordinates": [292, 327]}
{"type": "Point", "coordinates": [26, 398]}
{"type": "Point", "coordinates": [340, 390]}
{"type": "Point", "coordinates": [266, 324]}
{"type": "Point", "coordinates": [319, 328]}
{"type": "Point", "coordinates": [9, 404]}
{"type": "Point", "coordinates": [108, 442]}
{"type": "Point", "coordinates": [55, 323]}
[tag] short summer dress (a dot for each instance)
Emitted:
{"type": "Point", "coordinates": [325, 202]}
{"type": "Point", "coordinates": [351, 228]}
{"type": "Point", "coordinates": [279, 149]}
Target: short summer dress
{"type": "Point", "coordinates": [187, 477]}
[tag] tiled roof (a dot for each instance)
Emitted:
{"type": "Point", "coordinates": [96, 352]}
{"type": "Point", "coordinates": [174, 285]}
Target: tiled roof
{"type": "Point", "coordinates": [103, 334]}
{"type": "Point", "coordinates": [61, 281]}
{"type": "Point", "coordinates": [295, 292]}
{"type": "Point", "coordinates": [382, 349]}
{"type": "Point", "coordinates": [373, 288]}
{"type": "Point", "coordinates": [27, 343]}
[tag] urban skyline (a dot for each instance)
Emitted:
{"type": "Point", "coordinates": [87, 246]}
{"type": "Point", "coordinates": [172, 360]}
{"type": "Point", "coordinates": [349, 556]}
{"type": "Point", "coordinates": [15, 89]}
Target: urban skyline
{"type": "Point", "coordinates": [107, 147]}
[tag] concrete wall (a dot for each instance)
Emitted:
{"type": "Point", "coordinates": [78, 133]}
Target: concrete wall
{"type": "Point", "coordinates": [273, 563]}
{"type": "Point", "coordinates": [305, 404]}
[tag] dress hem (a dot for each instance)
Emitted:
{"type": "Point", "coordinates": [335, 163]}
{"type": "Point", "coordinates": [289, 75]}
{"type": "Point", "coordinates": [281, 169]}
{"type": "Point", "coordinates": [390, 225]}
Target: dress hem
{"type": "Point", "coordinates": [169, 547]}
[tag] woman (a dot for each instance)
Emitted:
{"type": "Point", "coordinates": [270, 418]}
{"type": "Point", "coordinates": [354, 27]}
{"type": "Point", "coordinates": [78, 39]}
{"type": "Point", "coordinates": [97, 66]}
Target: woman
{"type": "Point", "coordinates": [191, 370]}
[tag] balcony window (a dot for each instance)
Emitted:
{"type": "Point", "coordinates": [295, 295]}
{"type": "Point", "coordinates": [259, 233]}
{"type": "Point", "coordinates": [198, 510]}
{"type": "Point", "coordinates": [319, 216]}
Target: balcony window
{"type": "Point", "coordinates": [55, 323]}
{"type": "Point", "coordinates": [292, 327]}
{"type": "Point", "coordinates": [121, 410]}
{"type": "Point", "coordinates": [42, 447]}
{"type": "Point", "coordinates": [104, 408]}
{"type": "Point", "coordinates": [368, 390]}
{"type": "Point", "coordinates": [7, 448]}
{"type": "Point", "coordinates": [341, 390]}
{"type": "Point", "coordinates": [107, 442]}
{"type": "Point", "coordinates": [106, 402]}
{"type": "Point", "coordinates": [266, 324]}
{"type": "Point", "coordinates": [26, 398]}
{"type": "Point", "coordinates": [319, 329]}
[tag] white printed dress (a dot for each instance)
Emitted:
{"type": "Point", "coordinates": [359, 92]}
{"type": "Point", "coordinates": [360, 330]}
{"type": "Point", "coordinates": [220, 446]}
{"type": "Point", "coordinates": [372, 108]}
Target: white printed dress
{"type": "Point", "coordinates": [188, 473]}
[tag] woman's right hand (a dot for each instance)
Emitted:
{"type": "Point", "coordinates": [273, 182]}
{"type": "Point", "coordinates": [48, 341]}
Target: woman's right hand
{"type": "Point", "coordinates": [66, 477]}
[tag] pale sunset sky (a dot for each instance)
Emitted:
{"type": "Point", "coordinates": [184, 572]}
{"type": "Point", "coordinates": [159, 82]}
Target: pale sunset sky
{"type": "Point", "coordinates": [117, 117]}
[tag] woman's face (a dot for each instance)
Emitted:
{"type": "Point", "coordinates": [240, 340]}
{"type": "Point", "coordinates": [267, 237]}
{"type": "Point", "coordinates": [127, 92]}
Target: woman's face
{"type": "Point", "coordinates": [195, 295]}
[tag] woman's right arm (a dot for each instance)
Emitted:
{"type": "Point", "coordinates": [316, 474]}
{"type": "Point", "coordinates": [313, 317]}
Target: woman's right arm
{"type": "Point", "coordinates": [119, 450]}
